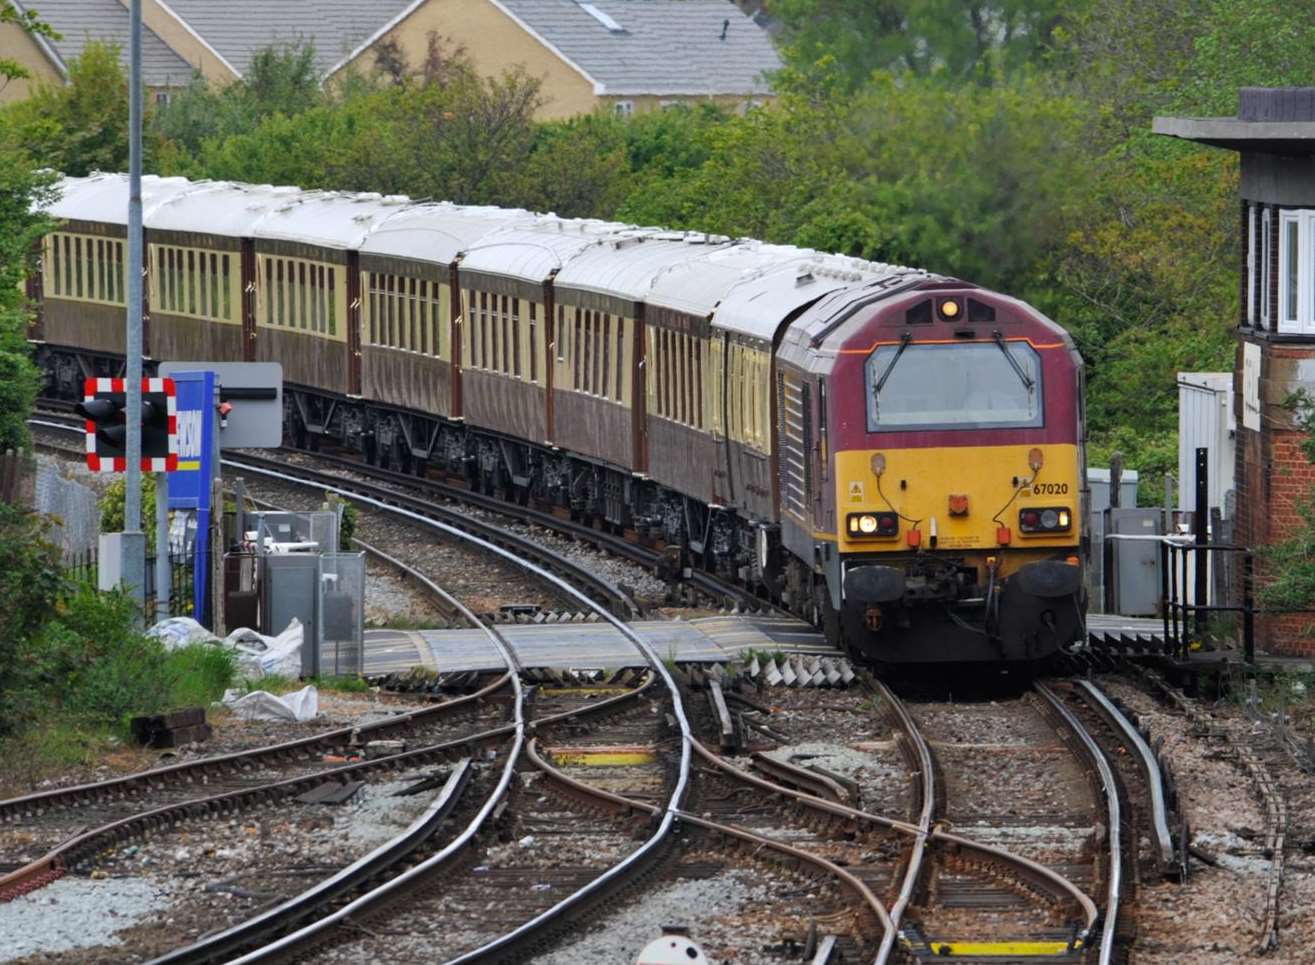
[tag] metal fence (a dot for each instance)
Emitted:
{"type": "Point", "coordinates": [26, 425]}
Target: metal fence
{"type": "Point", "coordinates": [82, 567]}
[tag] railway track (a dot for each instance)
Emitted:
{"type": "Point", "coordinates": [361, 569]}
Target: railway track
{"type": "Point", "coordinates": [445, 502]}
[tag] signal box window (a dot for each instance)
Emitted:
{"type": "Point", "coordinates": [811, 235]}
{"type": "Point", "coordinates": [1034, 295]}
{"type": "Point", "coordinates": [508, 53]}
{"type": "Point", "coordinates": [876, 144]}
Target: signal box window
{"type": "Point", "coordinates": [957, 386]}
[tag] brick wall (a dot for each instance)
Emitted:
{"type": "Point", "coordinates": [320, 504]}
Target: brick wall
{"type": "Point", "coordinates": [1272, 477]}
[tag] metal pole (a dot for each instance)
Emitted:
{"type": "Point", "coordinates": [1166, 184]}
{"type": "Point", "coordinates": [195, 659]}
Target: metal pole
{"type": "Point", "coordinates": [163, 569]}
{"type": "Point", "coordinates": [1200, 529]}
{"type": "Point", "coordinates": [134, 562]}
{"type": "Point", "coordinates": [1248, 607]}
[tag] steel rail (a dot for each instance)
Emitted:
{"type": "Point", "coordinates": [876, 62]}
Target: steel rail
{"type": "Point", "coordinates": [1042, 878]}
{"type": "Point", "coordinates": [1096, 761]}
{"type": "Point", "coordinates": [920, 754]}
{"type": "Point", "coordinates": [618, 545]}
{"type": "Point", "coordinates": [37, 802]}
{"type": "Point", "coordinates": [1150, 767]}
{"type": "Point", "coordinates": [623, 804]}
{"type": "Point", "coordinates": [376, 862]}
{"type": "Point", "coordinates": [461, 524]}
{"type": "Point", "coordinates": [488, 533]}
{"type": "Point", "coordinates": [670, 810]}
{"type": "Point", "coordinates": [370, 899]}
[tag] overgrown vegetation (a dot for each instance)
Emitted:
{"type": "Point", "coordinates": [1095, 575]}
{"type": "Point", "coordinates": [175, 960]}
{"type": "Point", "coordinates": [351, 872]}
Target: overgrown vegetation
{"type": "Point", "coordinates": [73, 665]}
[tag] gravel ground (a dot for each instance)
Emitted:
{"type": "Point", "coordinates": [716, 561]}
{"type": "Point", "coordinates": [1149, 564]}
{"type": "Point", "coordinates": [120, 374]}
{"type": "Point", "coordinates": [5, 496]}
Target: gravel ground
{"type": "Point", "coordinates": [159, 894]}
{"type": "Point", "coordinates": [1214, 918]}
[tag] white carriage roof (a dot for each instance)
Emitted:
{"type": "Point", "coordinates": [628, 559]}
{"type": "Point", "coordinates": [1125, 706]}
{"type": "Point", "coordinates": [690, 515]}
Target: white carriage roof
{"type": "Point", "coordinates": [626, 265]}
{"type": "Point", "coordinates": [440, 231]}
{"type": "Point", "coordinates": [219, 208]}
{"type": "Point", "coordinates": [327, 219]}
{"type": "Point", "coordinates": [104, 197]}
{"type": "Point", "coordinates": [534, 253]}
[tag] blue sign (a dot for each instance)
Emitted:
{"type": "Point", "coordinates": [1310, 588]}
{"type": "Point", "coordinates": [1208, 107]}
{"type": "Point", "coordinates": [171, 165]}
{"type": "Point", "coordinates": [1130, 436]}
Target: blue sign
{"type": "Point", "coordinates": [190, 485]}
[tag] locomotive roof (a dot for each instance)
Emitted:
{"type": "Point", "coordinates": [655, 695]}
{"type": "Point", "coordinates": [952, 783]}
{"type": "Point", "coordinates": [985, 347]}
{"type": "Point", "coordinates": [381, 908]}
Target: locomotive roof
{"type": "Point", "coordinates": [750, 287]}
{"type": "Point", "coordinates": [627, 265]}
{"type": "Point", "coordinates": [327, 219]}
{"type": "Point", "coordinates": [534, 252]}
{"type": "Point", "coordinates": [439, 231]}
{"type": "Point", "coordinates": [104, 197]}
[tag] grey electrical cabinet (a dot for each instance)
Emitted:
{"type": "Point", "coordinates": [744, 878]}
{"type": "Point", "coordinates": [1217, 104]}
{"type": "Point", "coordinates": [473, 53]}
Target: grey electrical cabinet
{"type": "Point", "coordinates": [1132, 566]}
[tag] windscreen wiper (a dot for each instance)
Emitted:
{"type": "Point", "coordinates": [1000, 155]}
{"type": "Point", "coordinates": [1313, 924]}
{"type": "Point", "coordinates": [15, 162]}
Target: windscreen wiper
{"type": "Point", "coordinates": [881, 382]}
{"type": "Point", "coordinates": [1013, 362]}
{"type": "Point", "coordinates": [903, 344]}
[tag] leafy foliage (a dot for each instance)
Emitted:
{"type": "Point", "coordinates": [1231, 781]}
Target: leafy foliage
{"type": "Point", "coordinates": [1289, 565]}
{"type": "Point", "coordinates": [79, 127]}
{"type": "Point", "coordinates": [112, 505]}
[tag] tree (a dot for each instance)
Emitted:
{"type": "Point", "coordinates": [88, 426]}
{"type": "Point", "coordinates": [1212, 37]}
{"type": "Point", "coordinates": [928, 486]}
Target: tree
{"type": "Point", "coordinates": [959, 39]}
{"type": "Point", "coordinates": [278, 80]}
{"type": "Point", "coordinates": [78, 127]}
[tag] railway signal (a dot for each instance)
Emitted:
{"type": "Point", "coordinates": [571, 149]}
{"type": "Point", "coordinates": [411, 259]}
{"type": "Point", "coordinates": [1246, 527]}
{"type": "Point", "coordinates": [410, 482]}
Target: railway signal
{"type": "Point", "coordinates": [104, 406]}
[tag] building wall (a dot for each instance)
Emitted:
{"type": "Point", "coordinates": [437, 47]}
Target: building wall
{"type": "Point", "coordinates": [495, 43]}
{"type": "Point", "coordinates": [17, 45]}
{"type": "Point", "coordinates": [1274, 476]}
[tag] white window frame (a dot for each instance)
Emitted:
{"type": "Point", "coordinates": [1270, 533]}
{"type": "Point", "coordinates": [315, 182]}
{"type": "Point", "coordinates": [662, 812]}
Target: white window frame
{"type": "Point", "coordinates": [1304, 321]}
{"type": "Point", "coordinates": [1251, 265]}
{"type": "Point", "coordinates": [1290, 322]}
{"type": "Point", "coordinates": [1265, 255]}
{"type": "Point", "coordinates": [624, 108]}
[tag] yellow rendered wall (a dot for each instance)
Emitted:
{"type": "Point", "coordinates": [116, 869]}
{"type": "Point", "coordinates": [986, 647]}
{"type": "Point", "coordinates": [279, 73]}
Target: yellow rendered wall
{"type": "Point", "coordinates": [495, 43]}
{"type": "Point", "coordinates": [17, 45]}
{"type": "Point", "coordinates": [642, 103]}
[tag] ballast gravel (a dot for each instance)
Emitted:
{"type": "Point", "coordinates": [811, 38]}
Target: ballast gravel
{"type": "Point", "coordinates": [696, 904]}
{"type": "Point", "coordinates": [74, 913]}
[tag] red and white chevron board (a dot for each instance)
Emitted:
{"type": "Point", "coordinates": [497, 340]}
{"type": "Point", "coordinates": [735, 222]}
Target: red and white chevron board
{"type": "Point", "coordinates": [98, 463]}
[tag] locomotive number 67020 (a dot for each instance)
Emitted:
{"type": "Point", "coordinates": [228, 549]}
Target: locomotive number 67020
{"type": "Point", "coordinates": [1050, 489]}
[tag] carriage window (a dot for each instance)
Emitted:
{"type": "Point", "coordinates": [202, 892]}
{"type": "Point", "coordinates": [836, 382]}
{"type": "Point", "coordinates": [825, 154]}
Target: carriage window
{"type": "Point", "coordinates": [534, 361]}
{"type": "Point", "coordinates": [961, 386]}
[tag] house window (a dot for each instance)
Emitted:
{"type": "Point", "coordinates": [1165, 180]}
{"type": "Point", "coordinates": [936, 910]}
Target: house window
{"type": "Point", "coordinates": [1289, 263]}
{"type": "Point", "coordinates": [162, 97]}
{"type": "Point", "coordinates": [1296, 268]}
{"type": "Point", "coordinates": [624, 108]}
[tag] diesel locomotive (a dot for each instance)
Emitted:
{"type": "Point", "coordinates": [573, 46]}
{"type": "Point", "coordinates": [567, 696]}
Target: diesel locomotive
{"type": "Point", "coordinates": [894, 455]}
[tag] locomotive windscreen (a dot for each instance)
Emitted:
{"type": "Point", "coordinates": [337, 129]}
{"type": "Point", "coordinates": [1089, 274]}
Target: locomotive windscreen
{"type": "Point", "coordinates": [954, 386]}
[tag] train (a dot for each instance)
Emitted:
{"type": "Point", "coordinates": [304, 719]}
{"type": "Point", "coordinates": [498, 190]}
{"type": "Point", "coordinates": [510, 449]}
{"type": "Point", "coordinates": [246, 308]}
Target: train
{"type": "Point", "coordinates": [893, 455]}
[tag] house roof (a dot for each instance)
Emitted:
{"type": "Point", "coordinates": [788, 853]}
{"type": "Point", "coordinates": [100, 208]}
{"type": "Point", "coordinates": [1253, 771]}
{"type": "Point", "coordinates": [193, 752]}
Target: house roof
{"type": "Point", "coordinates": [662, 47]}
{"type": "Point", "coordinates": [240, 28]}
{"type": "Point", "coordinates": [81, 21]}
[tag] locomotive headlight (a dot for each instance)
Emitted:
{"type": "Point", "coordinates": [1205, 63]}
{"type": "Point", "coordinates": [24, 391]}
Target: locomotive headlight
{"type": "Point", "coordinates": [866, 525]}
{"type": "Point", "coordinates": [949, 309]}
{"type": "Point", "coordinates": [1049, 519]}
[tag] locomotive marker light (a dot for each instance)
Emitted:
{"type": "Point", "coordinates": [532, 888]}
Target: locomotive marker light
{"type": "Point", "coordinates": [1045, 519]}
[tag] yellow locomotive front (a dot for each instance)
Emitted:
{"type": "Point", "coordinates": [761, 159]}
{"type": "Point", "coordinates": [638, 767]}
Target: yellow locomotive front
{"type": "Point", "coordinates": [958, 485]}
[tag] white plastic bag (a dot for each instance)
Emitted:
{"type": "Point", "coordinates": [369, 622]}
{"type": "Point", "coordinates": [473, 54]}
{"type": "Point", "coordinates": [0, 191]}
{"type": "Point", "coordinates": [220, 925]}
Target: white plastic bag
{"type": "Point", "coordinates": [262, 656]}
{"type": "Point", "coordinates": [177, 632]}
{"type": "Point", "coordinates": [302, 705]}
